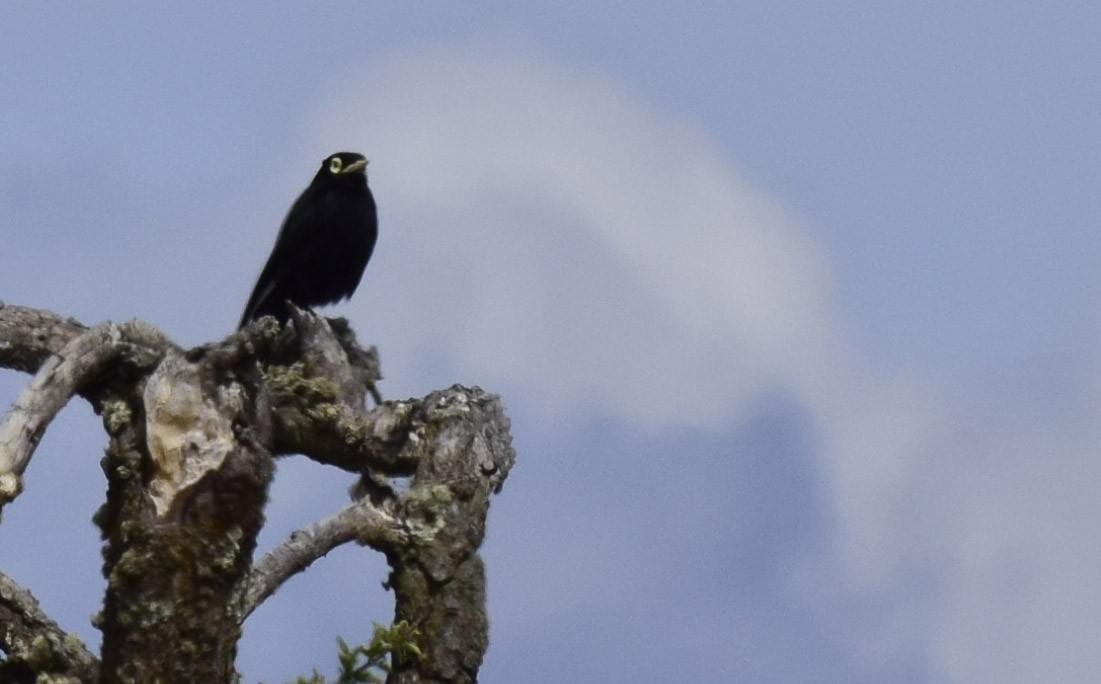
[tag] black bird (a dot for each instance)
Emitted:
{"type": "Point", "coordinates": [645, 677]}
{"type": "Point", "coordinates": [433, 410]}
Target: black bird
{"type": "Point", "coordinates": [324, 244]}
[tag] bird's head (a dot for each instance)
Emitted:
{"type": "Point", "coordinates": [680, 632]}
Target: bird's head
{"type": "Point", "coordinates": [343, 164]}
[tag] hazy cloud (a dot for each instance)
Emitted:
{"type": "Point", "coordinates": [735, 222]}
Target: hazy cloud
{"type": "Point", "coordinates": [598, 254]}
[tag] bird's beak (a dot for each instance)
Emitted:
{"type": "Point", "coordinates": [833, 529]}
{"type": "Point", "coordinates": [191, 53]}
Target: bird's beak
{"type": "Point", "coordinates": [355, 166]}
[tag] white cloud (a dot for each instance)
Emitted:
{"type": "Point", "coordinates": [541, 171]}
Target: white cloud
{"type": "Point", "coordinates": [595, 251]}
{"type": "Point", "coordinates": [545, 231]}
{"type": "Point", "coordinates": [1021, 603]}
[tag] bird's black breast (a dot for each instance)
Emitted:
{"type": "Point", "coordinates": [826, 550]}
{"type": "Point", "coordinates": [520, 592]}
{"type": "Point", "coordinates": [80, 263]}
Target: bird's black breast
{"type": "Point", "coordinates": [338, 227]}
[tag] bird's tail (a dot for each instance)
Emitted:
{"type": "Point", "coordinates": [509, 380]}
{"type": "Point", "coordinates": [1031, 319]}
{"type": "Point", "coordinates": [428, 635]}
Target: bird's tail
{"type": "Point", "coordinates": [264, 302]}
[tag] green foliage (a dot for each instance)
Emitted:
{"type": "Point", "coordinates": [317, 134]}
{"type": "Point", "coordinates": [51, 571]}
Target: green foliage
{"type": "Point", "coordinates": [368, 664]}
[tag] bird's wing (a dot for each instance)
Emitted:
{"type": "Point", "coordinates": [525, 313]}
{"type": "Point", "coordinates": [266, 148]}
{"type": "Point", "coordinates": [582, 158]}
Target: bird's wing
{"type": "Point", "coordinates": [291, 243]}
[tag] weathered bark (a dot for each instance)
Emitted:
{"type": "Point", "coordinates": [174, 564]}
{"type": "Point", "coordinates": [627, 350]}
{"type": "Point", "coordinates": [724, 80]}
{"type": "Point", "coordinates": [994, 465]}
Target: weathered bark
{"type": "Point", "coordinates": [185, 504]}
{"type": "Point", "coordinates": [188, 464]}
{"type": "Point", "coordinates": [438, 577]}
{"type": "Point", "coordinates": [36, 644]}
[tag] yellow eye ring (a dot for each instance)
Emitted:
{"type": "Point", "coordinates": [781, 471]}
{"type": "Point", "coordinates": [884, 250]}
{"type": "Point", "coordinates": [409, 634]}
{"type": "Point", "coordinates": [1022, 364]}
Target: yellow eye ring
{"type": "Point", "coordinates": [335, 165]}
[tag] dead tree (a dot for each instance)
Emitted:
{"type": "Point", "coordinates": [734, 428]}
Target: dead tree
{"type": "Point", "coordinates": [192, 434]}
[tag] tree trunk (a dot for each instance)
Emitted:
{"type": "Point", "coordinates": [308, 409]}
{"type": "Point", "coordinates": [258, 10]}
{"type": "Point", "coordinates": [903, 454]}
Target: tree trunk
{"type": "Point", "coordinates": [185, 501]}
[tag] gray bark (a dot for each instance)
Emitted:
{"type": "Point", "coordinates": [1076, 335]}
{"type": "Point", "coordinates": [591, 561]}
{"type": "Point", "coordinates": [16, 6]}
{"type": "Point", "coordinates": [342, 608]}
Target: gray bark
{"type": "Point", "coordinates": [192, 437]}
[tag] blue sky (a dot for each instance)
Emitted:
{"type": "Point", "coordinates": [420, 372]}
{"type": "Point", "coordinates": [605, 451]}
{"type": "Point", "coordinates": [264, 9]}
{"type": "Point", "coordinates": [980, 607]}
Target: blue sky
{"type": "Point", "coordinates": [792, 306]}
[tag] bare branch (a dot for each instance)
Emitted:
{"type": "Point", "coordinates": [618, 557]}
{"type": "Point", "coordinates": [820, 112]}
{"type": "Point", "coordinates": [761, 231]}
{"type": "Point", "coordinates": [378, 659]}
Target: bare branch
{"type": "Point", "coordinates": [81, 359]}
{"type": "Point", "coordinates": [29, 635]}
{"type": "Point", "coordinates": [28, 336]}
{"type": "Point", "coordinates": [67, 358]}
{"type": "Point", "coordinates": [318, 402]}
{"type": "Point", "coordinates": [335, 433]}
{"type": "Point", "coordinates": [361, 522]}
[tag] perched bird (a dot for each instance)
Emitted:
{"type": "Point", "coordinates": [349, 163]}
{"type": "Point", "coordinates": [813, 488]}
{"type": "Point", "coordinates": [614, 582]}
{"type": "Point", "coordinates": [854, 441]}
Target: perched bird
{"type": "Point", "coordinates": [324, 244]}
